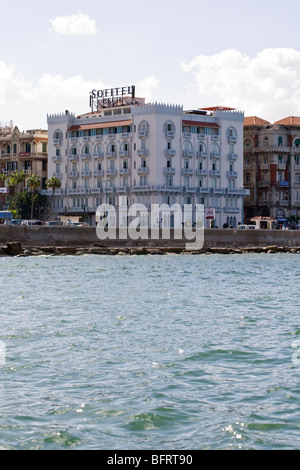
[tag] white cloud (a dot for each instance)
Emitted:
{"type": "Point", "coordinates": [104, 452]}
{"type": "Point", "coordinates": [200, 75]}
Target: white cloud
{"type": "Point", "coordinates": [28, 103]}
{"type": "Point", "coordinates": [145, 87]}
{"type": "Point", "coordinates": [76, 24]}
{"type": "Point", "coordinates": [267, 85]}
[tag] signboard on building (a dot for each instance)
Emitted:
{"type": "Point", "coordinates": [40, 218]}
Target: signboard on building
{"type": "Point", "coordinates": [111, 97]}
{"type": "Point", "coordinates": [210, 213]}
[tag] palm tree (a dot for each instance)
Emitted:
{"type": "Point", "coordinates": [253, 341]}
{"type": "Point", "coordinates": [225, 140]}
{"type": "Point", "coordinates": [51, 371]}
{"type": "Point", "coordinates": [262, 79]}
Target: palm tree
{"type": "Point", "coordinates": [33, 182]}
{"type": "Point", "coordinates": [12, 184]}
{"type": "Point", "coordinates": [53, 183]}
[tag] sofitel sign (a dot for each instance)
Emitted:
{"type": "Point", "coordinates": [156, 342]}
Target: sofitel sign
{"type": "Point", "coordinates": [110, 96]}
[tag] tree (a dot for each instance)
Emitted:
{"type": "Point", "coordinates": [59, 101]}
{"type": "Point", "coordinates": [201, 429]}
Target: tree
{"type": "Point", "coordinates": [53, 183]}
{"type": "Point", "coordinates": [24, 201]}
{"type": "Point", "coordinates": [33, 182]}
{"type": "Point", "coordinates": [12, 184]}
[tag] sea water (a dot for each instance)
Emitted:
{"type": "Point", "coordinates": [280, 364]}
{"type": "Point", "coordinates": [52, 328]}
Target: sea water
{"type": "Point", "coordinates": [181, 352]}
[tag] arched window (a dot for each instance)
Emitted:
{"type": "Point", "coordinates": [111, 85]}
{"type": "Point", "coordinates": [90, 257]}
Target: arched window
{"type": "Point", "coordinates": [201, 147]}
{"type": "Point", "coordinates": [169, 128]}
{"type": "Point", "coordinates": [297, 143]}
{"type": "Point", "coordinates": [279, 141]}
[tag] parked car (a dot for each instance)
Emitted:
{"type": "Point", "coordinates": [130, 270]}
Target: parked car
{"type": "Point", "coordinates": [31, 222]}
{"type": "Point", "coordinates": [243, 227]}
{"type": "Point", "coordinates": [54, 223]}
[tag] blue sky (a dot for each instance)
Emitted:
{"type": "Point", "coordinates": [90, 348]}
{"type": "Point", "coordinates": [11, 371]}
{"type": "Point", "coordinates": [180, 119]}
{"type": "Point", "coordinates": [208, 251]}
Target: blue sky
{"type": "Point", "coordinates": [194, 53]}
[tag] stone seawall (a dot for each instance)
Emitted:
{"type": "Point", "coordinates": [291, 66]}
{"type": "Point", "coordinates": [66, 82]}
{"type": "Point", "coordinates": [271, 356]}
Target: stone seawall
{"type": "Point", "coordinates": [72, 240]}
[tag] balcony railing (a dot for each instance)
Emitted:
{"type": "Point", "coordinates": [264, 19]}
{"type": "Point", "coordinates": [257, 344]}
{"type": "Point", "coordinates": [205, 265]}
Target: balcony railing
{"type": "Point", "coordinates": [201, 172]}
{"type": "Point", "coordinates": [124, 153]}
{"type": "Point", "coordinates": [73, 174]}
{"type": "Point", "coordinates": [86, 174]}
{"type": "Point", "coordinates": [232, 174]}
{"type": "Point", "coordinates": [124, 171]}
{"type": "Point", "coordinates": [56, 159]}
{"type": "Point", "coordinates": [168, 170]}
{"type": "Point", "coordinates": [85, 156]}
{"type": "Point", "coordinates": [214, 155]}
{"type": "Point", "coordinates": [215, 173]}
{"type": "Point", "coordinates": [170, 152]}
{"type": "Point", "coordinates": [187, 153]}
{"type": "Point", "coordinates": [201, 154]}
{"type": "Point", "coordinates": [98, 156]}
{"type": "Point", "coordinates": [187, 171]}
{"type": "Point", "coordinates": [232, 156]}
{"type": "Point", "coordinates": [142, 152]}
{"type": "Point", "coordinates": [73, 156]}
{"type": "Point", "coordinates": [99, 173]}
{"type": "Point", "coordinates": [143, 170]}
{"type": "Point", "coordinates": [111, 172]}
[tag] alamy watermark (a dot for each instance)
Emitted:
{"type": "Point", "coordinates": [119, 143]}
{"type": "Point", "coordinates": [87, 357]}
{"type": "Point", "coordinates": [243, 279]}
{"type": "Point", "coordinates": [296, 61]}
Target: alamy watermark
{"type": "Point", "coordinates": [161, 222]}
{"type": "Point", "coordinates": [296, 353]}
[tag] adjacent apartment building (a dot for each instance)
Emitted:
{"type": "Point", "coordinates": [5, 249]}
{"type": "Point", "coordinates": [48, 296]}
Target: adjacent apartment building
{"type": "Point", "coordinates": [272, 167]}
{"type": "Point", "coordinates": [23, 151]}
{"type": "Point", "coordinates": [150, 153]}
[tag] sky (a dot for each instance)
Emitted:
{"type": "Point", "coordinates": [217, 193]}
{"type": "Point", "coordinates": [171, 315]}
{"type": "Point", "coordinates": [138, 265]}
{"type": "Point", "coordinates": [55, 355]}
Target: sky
{"type": "Point", "coordinates": [192, 53]}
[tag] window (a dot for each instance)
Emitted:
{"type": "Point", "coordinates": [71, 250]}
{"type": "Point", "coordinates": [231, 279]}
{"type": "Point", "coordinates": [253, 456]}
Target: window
{"type": "Point", "coordinates": [186, 181]}
{"type": "Point", "coordinates": [44, 147]}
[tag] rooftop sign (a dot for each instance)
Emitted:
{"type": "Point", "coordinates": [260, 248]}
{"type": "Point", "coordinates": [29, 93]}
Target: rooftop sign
{"type": "Point", "coordinates": [111, 97]}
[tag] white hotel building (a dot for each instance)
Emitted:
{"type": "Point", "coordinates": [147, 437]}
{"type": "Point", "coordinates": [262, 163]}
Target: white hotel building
{"type": "Point", "coordinates": [151, 153]}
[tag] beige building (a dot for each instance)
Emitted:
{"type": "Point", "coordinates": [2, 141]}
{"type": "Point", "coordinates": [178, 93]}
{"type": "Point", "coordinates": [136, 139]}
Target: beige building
{"type": "Point", "coordinates": [272, 168]}
{"type": "Point", "coordinates": [23, 151]}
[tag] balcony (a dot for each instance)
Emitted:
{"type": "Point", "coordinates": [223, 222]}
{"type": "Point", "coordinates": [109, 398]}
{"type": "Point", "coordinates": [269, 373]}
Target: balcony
{"type": "Point", "coordinates": [231, 210]}
{"type": "Point", "coordinates": [170, 134]}
{"type": "Point", "coordinates": [264, 166]}
{"type": "Point", "coordinates": [187, 171]}
{"type": "Point", "coordinates": [143, 133]}
{"type": "Point", "coordinates": [201, 136]}
{"type": "Point", "coordinates": [124, 153]}
{"type": "Point", "coordinates": [215, 173]}
{"type": "Point", "coordinates": [232, 156]}
{"type": "Point", "coordinates": [187, 153]}
{"type": "Point", "coordinates": [215, 137]}
{"type": "Point", "coordinates": [86, 138]}
{"type": "Point", "coordinates": [281, 166]}
{"type": "Point", "coordinates": [201, 172]}
{"type": "Point", "coordinates": [55, 175]}
{"type": "Point", "coordinates": [124, 171]}
{"type": "Point", "coordinates": [73, 140]}
{"type": "Point", "coordinates": [111, 172]}
{"type": "Point", "coordinates": [98, 156]}
{"type": "Point", "coordinates": [232, 139]}
{"type": "Point", "coordinates": [73, 157]}
{"type": "Point", "coordinates": [187, 135]}
{"type": "Point", "coordinates": [122, 189]}
{"type": "Point", "coordinates": [168, 170]}
{"type": "Point", "coordinates": [214, 155]}
{"type": "Point", "coordinates": [143, 170]}
{"type": "Point", "coordinates": [201, 154]}
{"type": "Point", "coordinates": [56, 159]}
{"type": "Point", "coordinates": [85, 156]}
{"type": "Point", "coordinates": [112, 136]}
{"type": "Point", "coordinates": [170, 152]}
{"type": "Point", "coordinates": [73, 174]}
{"type": "Point", "coordinates": [143, 152]}
{"type": "Point", "coordinates": [86, 174]}
{"type": "Point", "coordinates": [99, 137]}
{"type": "Point", "coordinates": [56, 141]}
{"type": "Point", "coordinates": [78, 191]}
{"type": "Point", "coordinates": [125, 135]}
{"type": "Point", "coordinates": [99, 173]}
{"type": "Point", "coordinates": [232, 174]}
{"type": "Point", "coordinates": [111, 154]}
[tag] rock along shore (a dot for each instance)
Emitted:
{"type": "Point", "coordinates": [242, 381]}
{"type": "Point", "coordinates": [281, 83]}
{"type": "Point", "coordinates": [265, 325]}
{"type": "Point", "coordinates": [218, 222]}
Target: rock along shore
{"type": "Point", "coordinates": [17, 250]}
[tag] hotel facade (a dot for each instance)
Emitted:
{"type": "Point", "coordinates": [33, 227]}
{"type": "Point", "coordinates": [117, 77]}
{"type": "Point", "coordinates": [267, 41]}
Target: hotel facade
{"type": "Point", "coordinates": [25, 151]}
{"type": "Point", "coordinates": [150, 154]}
{"type": "Point", "coordinates": [272, 168]}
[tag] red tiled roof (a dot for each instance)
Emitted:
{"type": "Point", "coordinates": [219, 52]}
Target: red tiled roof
{"type": "Point", "coordinates": [255, 121]}
{"type": "Point", "coordinates": [94, 125]}
{"type": "Point", "coordinates": [289, 121]}
{"type": "Point", "coordinates": [200, 123]}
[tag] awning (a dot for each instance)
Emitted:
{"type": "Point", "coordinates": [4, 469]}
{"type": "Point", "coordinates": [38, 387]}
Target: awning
{"type": "Point", "coordinates": [199, 123]}
{"type": "Point", "coordinates": [6, 215]}
{"type": "Point", "coordinates": [102, 125]}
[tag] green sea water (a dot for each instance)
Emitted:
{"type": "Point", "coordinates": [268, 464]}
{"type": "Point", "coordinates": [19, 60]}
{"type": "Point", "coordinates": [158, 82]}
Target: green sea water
{"type": "Point", "coordinates": [182, 352]}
